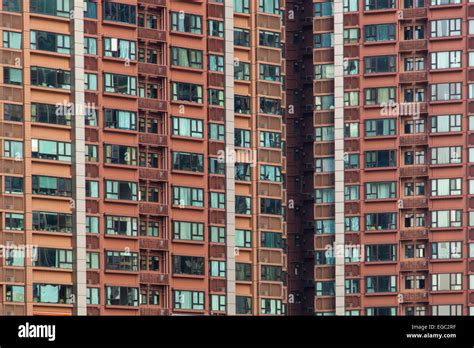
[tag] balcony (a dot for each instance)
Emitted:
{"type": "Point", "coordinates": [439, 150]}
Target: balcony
{"type": "Point", "coordinates": [151, 311]}
{"type": "Point", "coordinates": [92, 242]}
{"type": "Point", "coordinates": [414, 77]}
{"type": "Point", "coordinates": [270, 223]}
{"type": "Point", "coordinates": [152, 34]}
{"type": "Point", "coordinates": [13, 308]}
{"type": "Point", "coordinates": [11, 20]}
{"type": "Point", "coordinates": [153, 174]}
{"type": "Point", "coordinates": [272, 289]}
{"type": "Point", "coordinates": [153, 244]}
{"type": "Point", "coordinates": [413, 171]}
{"type": "Point", "coordinates": [414, 265]}
{"type": "Point", "coordinates": [413, 234]}
{"type": "Point", "coordinates": [413, 45]}
{"type": "Point", "coordinates": [153, 209]}
{"type": "Point", "coordinates": [324, 304]}
{"type": "Point", "coordinates": [414, 140]}
{"type": "Point", "coordinates": [93, 277]}
{"type": "Point", "coordinates": [217, 285]}
{"type": "Point", "coordinates": [270, 256]}
{"type": "Point", "coordinates": [352, 301]}
{"type": "Point", "coordinates": [14, 203]}
{"type": "Point", "coordinates": [152, 69]}
{"type": "Point", "coordinates": [414, 203]}
{"type": "Point", "coordinates": [12, 275]}
{"type": "Point", "coordinates": [270, 189]}
{"type": "Point", "coordinates": [421, 296]}
{"type": "Point", "coordinates": [153, 139]}
{"type": "Point", "coordinates": [217, 217]}
{"type": "Point", "coordinates": [161, 3]}
{"type": "Point", "coordinates": [152, 104]}
{"type": "Point", "coordinates": [217, 251]}
{"type": "Point", "coordinates": [414, 13]}
{"type": "Point", "coordinates": [153, 278]}
{"type": "Point", "coordinates": [324, 272]}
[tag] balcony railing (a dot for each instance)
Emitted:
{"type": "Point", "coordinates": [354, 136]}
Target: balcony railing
{"type": "Point", "coordinates": [413, 140]}
{"type": "Point", "coordinates": [413, 171]}
{"type": "Point", "coordinates": [415, 296]}
{"type": "Point", "coordinates": [152, 278]}
{"type": "Point", "coordinates": [414, 76]}
{"type": "Point", "coordinates": [411, 203]}
{"type": "Point", "coordinates": [414, 13]}
{"type": "Point", "coordinates": [414, 234]}
{"type": "Point", "coordinates": [153, 243]}
{"type": "Point", "coordinates": [414, 265]}
{"type": "Point", "coordinates": [413, 45]}
{"type": "Point", "coordinates": [153, 209]}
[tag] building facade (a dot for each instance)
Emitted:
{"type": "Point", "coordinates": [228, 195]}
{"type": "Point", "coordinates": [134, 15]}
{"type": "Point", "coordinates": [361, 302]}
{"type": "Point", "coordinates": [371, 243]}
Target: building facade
{"type": "Point", "coordinates": [387, 132]}
{"type": "Point", "coordinates": [130, 135]}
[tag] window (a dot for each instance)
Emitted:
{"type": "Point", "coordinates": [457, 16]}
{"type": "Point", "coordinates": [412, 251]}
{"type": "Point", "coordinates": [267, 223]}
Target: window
{"type": "Point", "coordinates": [380, 221]}
{"type": "Point", "coordinates": [323, 40]}
{"type": "Point", "coordinates": [271, 273]}
{"type": "Point", "coordinates": [60, 8]}
{"type": "Point", "coordinates": [242, 138]}
{"type": "Point", "coordinates": [52, 222]}
{"type": "Point", "coordinates": [446, 27]}
{"type": "Point", "coordinates": [188, 300]}
{"type": "Point", "coordinates": [91, 153]}
{"type": "Point", "coordinates": [242, 6]}
{"type": "Point", "coordinates": [380, 64]}
{"type": "Point", "coordinates": [446, 218]}
{"type": "Point", "coordinates": [351, 5]}
{"type": "Point", "coordinates": [380, 159]}
{"type": "Point", "coordinates": [270, 106]}
{"type": "Point", "coordinates": [241, 104]}
{"type": "Point", "coordinates": [445, 2]}
{"type": "Point", "coordinates": [121, 296]}
{"type": "Point", "coordinates": [269, 39]}
{"type": "Point", "coordinates": [186, 57]}
{"type": "Point", "coordinates": [243, 171]}
{"type": "Point", "coordinates": [92, 260]}
{"type": "Point", "coordinates": [381, 252]}
{"type": "Point", "coordinates": [379, 32]}
{"type": "Point", "coordinates": [120, 119]}
{"type": "Point", "coordinates": [446, 91]}
{"type": "Point", "coordinates": [14, 222]}
{"type": "Point", "coordinates": [242, 71]}
{"type": "Point", "coordinates": [352, 224]}
{"type": "Point", "coordinates": [49, 113]}
{"type": "Point", "coordinates": [12, 39]}
{"type": "Point", "coordinates": [51, 78]}
{"type": "Point", "coordinates": [121, 226]}
{"type": "Point", "coordinates": [378, 96]}
{"type": "Point", "coordinates": [120, 48]}
{"type": "Point", "coordinates": [270, 173]}
{"type": "Point", "coordinates": [324, 133]}
{"type": "Point", "coordinates": [324, 165]}
{"type": "Point", "coordinates": [55, 258]}
{"type": "Point", "coordinates": [381, 311]}
{"type": "Point", "coordinates": [216, 131]}
{"type": "Point", "coordinates": [121, 190]}
{"type": "Point", "coordinates": [323, 9]}
{"type": "Point", "coordinates": [216, 200]}
{"type": "Point", "coordinates": [15, 293]}
{"type": "Point", "coordinates": [446, 60]}
{"type": "Point", "coordinates": [51, 42]}
{"type": "Point", "coordinates": [13, 112]}
{"type": "Point", "coordinates": [183, 230]}
{"type": "Point", "coordinates": [271, 240]}
{"type": "Point", "coordinates": [90, 9]}
{"type": "Point", "coordinates": [351, 193]}
{"type": "Point", "coordinates": [243, 305]}
{"type": "Point", "coordinates": [243, 238]}
{"type": "Point", "coordinates": [243, 272]}
{"type": "Point", "coordinates": [446, 281]}
{"type": "Point", "coordinates": [51, 150]}
{"type": "Point", "coordinates": [323, 71]}
{"type": "Point", "coordinates": [270, 206]}
{"type": "Point", "coordinates": [120, 84]}
{"type": "Point", "coordinates": [51, 186]}
{"type": "Point", "coordinates": [382, 127]}
{"type": "Point", "coordinates": [53, 293]}
{"type": "Point", "coordinates": [217, 234]}
{"type": "Point", "coordinates": [371, 5]}
{"type": "Point", "coordinates": [241, 37]}
{"type": "Point", "coordinates": [191, 162]}
{"type": "Point", "coordinates": [272, 306]}
{"type": "Point", "coordinates": [13, 149]}
{"type": "Point", "coordinates": [243, 205]}
{"type": "Point", "coordinates": [444, 310]}
{"type": "Point", "coordinates": [446, 155]}
{"type": "Point", "coordinates": [446, 250]}
{"type": "Point", "coordinates": [382, 283]}
{"type": "Point", "coordinates": [187, 196]}
{"type": "Point", "coordinates": [186, 92]}
{"type": "Point", "coordinates": [13, 185]}
{"type": "Point", "coordinates": [187, 127]}
{"type": "Point", "coordinates": [92, 224]}
{"type": "Point", "coordinates": [12, 76]}
{"type": "Point", "coordinates": [270, 139]}
{"type": "Point", "coordinates": [446, 187]}
{"type": "Point", "coordinates": [90, 45]}
{"type": "Point", "coordinates": [269, 6]}
{"type": "Point", "coordinates": [351, 35]}
{"type": "Point", "coordinates": [118, 12]}
{"type": "Point", "coordinates": [216, 97]}
{"type": "Point", "coordinates": [446, 123]}
{"type": "Point", "coordinates": [121, 261]}
{"type": "Point", "coordinates": [380, 190]}
{"type": "Point", "coordinates": [92, 296]}
{"type": "Point", "coordinates": [188, 265]}
{"type": "Point", "coordinates": [216, 63]}
{"type": "Point", "coordinates": [325, 226]}
{"type": "Point", "coordinates": [217, 268]}
{"type": "Point", "coordinates": [92, 189]}
{"type": "Point", "coordinates": [186, 23]}
{"type": "Point", "coordinates": [218, 302]}
{"type": "Point", "coordinates": [11, 5]}
{"type": "Point", "coordinates": [215, 28]}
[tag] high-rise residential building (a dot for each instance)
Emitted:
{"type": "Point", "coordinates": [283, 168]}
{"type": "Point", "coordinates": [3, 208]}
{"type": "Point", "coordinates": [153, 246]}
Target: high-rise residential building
{"type": "Point", "coordinates": [381, 161]}
{"type": "Point", "coordinates": [141, 157]}
{"type": "Point", "coordinates": [247, 157]}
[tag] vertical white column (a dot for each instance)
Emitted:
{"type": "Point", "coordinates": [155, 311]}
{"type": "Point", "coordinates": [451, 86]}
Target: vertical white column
{"type": "Point", "coordinates": [229, 148]}
{"type": "Point", "coordinates": [79, 181]}
{"type": "Point", "coordinates": [339, 153]}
